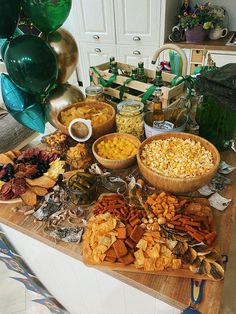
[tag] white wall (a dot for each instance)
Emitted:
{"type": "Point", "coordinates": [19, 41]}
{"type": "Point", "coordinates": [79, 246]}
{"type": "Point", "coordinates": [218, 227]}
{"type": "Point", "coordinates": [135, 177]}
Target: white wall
{"type": "Point", "coordinates": [229, 5]}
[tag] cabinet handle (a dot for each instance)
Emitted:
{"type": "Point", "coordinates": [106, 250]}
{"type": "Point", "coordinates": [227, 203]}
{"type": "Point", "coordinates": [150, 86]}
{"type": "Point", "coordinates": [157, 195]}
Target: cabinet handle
{"type": "Point", "coordinates": [97, 50]}
{"type": "Point", "coordinates": [136, 52]}
{"type": "Point", "coordinates": [136, 38]}
{"type": "Point", "coordinates": [96, 37]}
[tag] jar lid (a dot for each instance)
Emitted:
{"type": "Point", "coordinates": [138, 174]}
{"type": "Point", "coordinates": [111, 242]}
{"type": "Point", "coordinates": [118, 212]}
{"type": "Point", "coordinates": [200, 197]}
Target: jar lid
{"type": "Point", "coordinates": [130, 107]}
{"type": "Point", "coordinates": [80, 129]}
{"type": "Point", "coordinates": [94, 90]}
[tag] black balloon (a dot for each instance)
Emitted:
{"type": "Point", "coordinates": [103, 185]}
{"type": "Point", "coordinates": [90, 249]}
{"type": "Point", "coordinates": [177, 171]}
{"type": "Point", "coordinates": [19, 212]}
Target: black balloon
{"type": "Point", "coordinates": [9, 17]}
{"type": "Point", "coordinates": [31, 64]}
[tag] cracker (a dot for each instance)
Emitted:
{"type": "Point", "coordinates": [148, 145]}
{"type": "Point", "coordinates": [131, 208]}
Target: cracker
{"type": "Point", "coordinates": [10, 154]}
{"type": "Point", "coordinates": [4, 159]}
{"type": "Point", "coordinates": [43, 181]}
{"type": "Point", "coordinates": [29, 198]}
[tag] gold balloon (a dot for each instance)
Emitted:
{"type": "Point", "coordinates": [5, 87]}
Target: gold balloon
{"type": "Point", "coordinates": [59, 98]}
{"type": "Point", "coordinates": [65, 47]}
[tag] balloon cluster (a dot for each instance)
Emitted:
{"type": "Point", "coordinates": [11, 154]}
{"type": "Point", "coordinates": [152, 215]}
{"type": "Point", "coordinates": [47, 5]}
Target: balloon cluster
{"type": "Point", "coordinates": [36, 88]}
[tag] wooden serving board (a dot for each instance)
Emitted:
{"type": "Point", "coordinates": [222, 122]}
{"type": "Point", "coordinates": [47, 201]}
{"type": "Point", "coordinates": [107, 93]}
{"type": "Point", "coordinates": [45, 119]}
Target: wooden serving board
{"type": "Point", "coordinates": [180, 273]}
{"type": "Point", "coordinates": [172, 290]}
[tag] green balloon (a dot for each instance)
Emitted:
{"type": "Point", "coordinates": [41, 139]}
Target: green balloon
{"type": "Point", "coordinates": [9, 17]}
{"type": "Point", "coordinates": [5, 42]}
{"type": "Point", "coordinates": [31, 64]}
{"type": "Point", "coordinates": [47, 15]}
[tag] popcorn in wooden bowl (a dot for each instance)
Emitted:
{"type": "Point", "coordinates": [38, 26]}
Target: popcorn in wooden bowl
{"type": "Point", "coordinates": [177, 162]}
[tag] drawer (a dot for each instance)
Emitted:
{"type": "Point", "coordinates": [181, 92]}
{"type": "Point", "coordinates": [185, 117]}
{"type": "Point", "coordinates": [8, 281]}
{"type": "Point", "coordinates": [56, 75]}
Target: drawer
{"type": "Point", "coordinates": [197, 56]}
{"type": "Point", "coordinates": [134, 54]}
{"type": "Point", "coordinates": [193, 66]}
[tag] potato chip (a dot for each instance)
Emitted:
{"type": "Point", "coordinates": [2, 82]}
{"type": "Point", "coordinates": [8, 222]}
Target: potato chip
{"type": "Point", "coordinates": [104, 240]}
{"type": "Point", "coordinates": [43, 181]}
{"type": "Point", "coordinates": [142, 244]}
{"type": "Point", "coordinates": [4, 159]}
{"type": "Point", "coordinates": [155, 251]}
{"type": "Point", "coordinates": [38, 190]}
{"type": "Point", "coordinates": [29, 198]}
{"type": "Point", "coordinates": [139, 257]}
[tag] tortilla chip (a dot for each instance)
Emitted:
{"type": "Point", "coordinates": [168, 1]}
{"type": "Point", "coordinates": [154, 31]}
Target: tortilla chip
{"type": "Point", "coordinates": [43, 181]}
{"type": "Point", "coordinates": [38, 190]}
{"type": "Point", "coordinates": [4, 159]}
{"type": "Point", "coordinates": [10, 154]}
{"type": "Point", "coordinates": [29, 198]}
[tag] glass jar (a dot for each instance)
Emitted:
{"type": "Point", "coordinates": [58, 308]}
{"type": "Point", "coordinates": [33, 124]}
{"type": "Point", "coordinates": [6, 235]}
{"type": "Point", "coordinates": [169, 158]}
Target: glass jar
{"type": "Point", "coordinates": [129, 118]}
{"type": "Point", "coordinates": [82, 188]}
{"type": "Point", "coordinates": [216, 123]}
{"type": "Point", "coordinates": [94, 93]}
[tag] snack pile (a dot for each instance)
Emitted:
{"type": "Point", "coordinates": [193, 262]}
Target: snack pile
{"type": "Point", "coordinates": [170, 233]}
{"type": "Point", "coordinates": [116, 148]}
{"type": "Point", "coordinates": [97, 116]}
{"type": "Point", "coordinates": [28, 174]}
{"type": "Point", "coordinates": [176, 157]}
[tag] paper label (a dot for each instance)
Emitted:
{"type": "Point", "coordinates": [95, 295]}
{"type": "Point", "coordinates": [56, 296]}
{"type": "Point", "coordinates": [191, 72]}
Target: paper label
{"type": "Point", "coordinates": [163, 125]}
{"type": "Point", "coordinates": [225, 168]}
{"type": "Point", "coordinates": [219, 202]}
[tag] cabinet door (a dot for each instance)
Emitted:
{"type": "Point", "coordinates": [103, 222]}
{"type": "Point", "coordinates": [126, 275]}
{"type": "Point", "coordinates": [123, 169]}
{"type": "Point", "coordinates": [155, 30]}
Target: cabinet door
{"type": "Point", "coordinates": [133, 55]}
{"type": "Point", "coordinates": [138, 22]}
{"type": "Point", "coordinates": [96, 21]}
{"type": "Point", "coordinates": [91, 55]}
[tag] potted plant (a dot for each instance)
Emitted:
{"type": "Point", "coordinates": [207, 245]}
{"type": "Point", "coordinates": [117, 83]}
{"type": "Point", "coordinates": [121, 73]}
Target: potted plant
{"type": "Point", "coordinates": [197, 23]}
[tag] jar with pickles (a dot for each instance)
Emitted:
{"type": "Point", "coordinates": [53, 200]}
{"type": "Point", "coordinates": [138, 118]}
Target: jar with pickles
{"type": "Point", "coordinates": [129, 118]}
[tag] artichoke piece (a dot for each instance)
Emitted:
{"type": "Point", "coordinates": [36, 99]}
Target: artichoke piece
{"type": "Point", "coordinates": [171, 244]}
{"type": "Point", "coordinates": [180, 248]}
{"type": "Point", "coordinates": [215, 271]}
{"type": "Point", "coordinates": [202, 249]}
{"type": "Point", "coordinates": [214, 256]}
{"type": "Point", "coordinates": [189, 256]}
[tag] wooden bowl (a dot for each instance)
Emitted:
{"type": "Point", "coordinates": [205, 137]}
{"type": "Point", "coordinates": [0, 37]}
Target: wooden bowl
{"type": "Point", "coordinates": [178, 185]}
{"type": "Point", "coordinates": [98, 130]}
{"type": "Point", "coordinates": [116, 164]}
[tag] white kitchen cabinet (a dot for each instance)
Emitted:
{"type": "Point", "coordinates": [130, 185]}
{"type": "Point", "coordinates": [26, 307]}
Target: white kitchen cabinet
{"type": "Point", "coordinates": [94, 54]}
{"type": "Point", "coordinates": [134, 54]}
{"type": "Point", "coordinates": [138, 22]}
{"type": "Point", "coordinates": [222, 57]}
{"type": "Point", "coordinates": [95, 19]}
{"type": "Point", "coordinates": [119, 28]}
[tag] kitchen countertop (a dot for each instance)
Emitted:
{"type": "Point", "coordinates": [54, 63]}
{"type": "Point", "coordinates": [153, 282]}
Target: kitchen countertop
{"type": "Point", "coordinates": [218, 44]}
{"type": "Point", "coordinates": [172, 290]}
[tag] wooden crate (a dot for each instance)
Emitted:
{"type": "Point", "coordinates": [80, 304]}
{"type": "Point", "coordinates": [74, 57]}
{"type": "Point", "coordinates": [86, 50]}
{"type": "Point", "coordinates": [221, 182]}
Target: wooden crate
{"type": "Point", "coordinates": [169, 94]}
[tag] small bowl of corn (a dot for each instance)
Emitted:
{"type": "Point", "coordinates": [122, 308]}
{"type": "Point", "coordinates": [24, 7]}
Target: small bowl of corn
{"type": "Point", "coordinates": [116, 150]}
{"type": "Point", "coordinates": [177, 162]}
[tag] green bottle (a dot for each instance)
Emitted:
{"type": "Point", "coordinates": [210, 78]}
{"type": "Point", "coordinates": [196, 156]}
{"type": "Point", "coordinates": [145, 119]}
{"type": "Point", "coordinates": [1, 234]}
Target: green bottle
{"type": "Point", "coordinates": [134, 74]}
{"type": "Point", "coordinates": [114, 68]}
{"type": "Point", "coordinates": [158, 79]}
{"type": "Point", "coordinates": [112, 59]}
{"type": "Point", "coordinates": [140, 73]}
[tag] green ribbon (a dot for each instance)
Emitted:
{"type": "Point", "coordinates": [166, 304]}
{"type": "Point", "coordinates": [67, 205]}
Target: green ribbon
{"type": "Point", "coordinates": [148, 93]}
{"type": "Point", "coordinates": [188, 80]}
{"type": "Point", "coordinates": [122, 90]}
{"type": "Point", "coordinates": [102, 81]}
